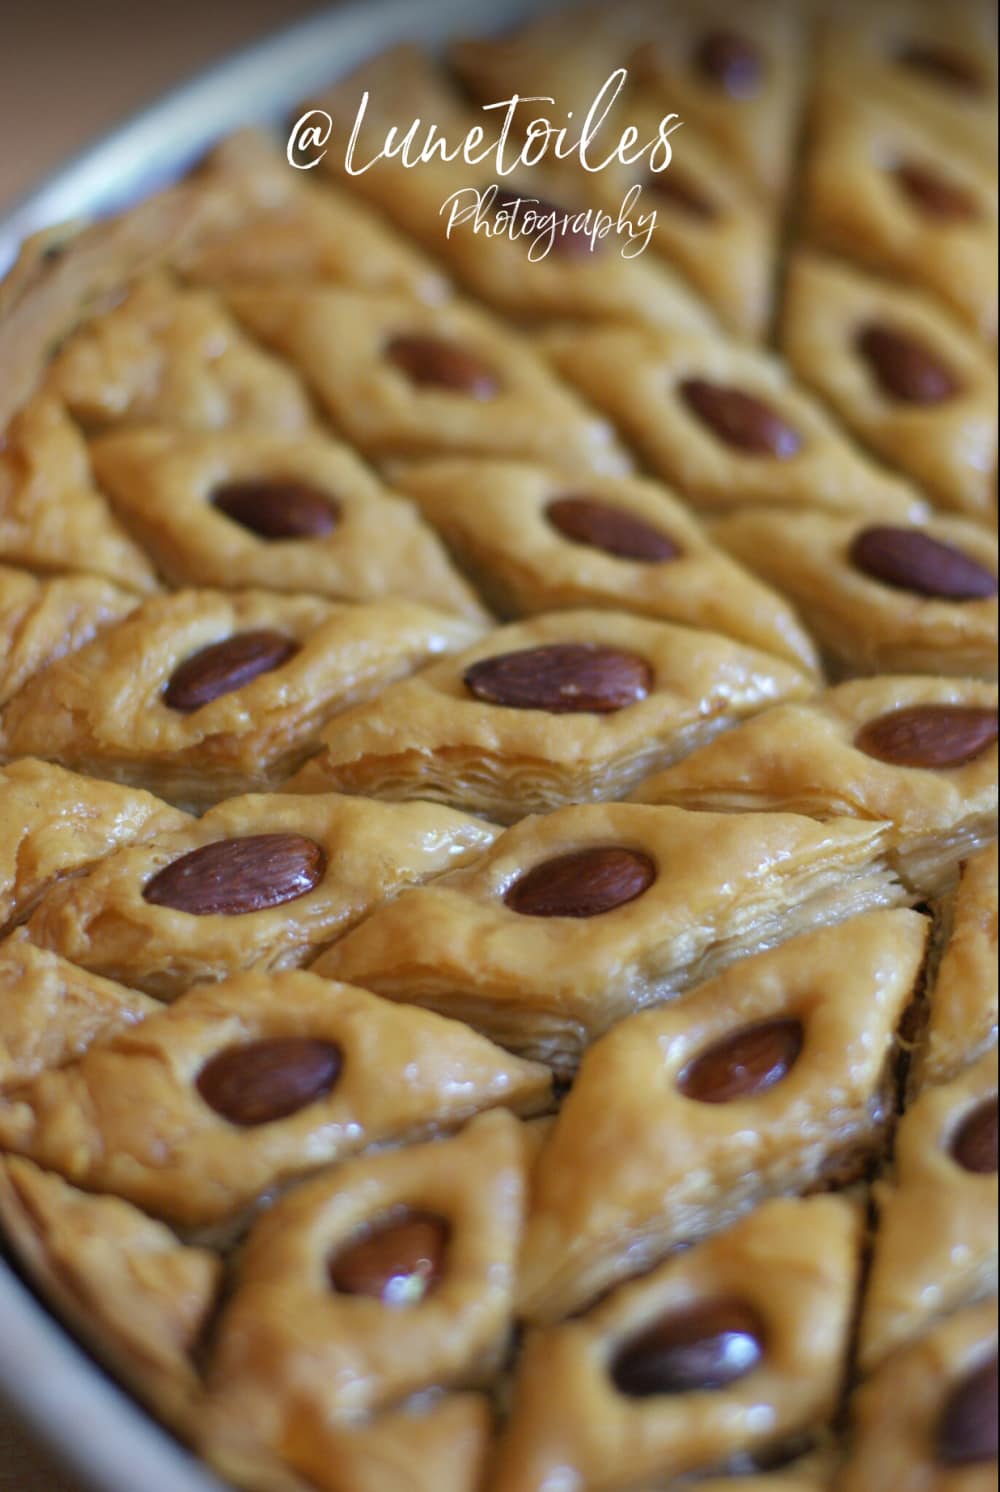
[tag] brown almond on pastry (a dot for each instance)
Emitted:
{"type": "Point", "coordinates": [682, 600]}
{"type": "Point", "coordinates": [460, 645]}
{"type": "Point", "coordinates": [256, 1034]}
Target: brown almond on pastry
{"type": "Point", "coordinates": [224, 666]}
{"type": "Point", "coordinates": [234, 876]}
{"type": "Point", "coordinates": [909, 560]}
{"type": "Point", "coordinates": [583, 884]}
{"type": "Point", "coordinates": [929, 735]}
{"type": "Point", "coordinates": [269, 1079]}
{"type": "Point", "coordinates": [277, 508]}
{"type": "Point", "coordinates": [740, 420]}
{"type": "Point", "coordinates": [562, 678]}
{"type": "Point", "coordinates": [743, 1064]}
{"type": "Point", "coordinates": [603, 525]}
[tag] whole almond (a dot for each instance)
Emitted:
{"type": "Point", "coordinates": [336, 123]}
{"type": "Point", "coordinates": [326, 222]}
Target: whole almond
{"type": "Point", "coordinates": [974, 1146]}
{"type": "Point", "coordinates": [231, 877]}
{"type": "Point", "coordinates": [582, 884]}
{"type": "Point", "coordinates": [740, 420]}
{"type": "Point", "coordinates": [435, 363]}
{"type": "Point", "coordinates": [905, 368]}
{"type": "Point", "coordinates": [562, 678]}
{"type": "Point", "coordinates": [744, 1064]}
{"type": "Point", "coordinates": [910, 560]}
{"type": "Point", "coordinates": [225, 666]}
{"type": "Point", "coordinates": [705, 1347]}
{"type": "Point", "coordinates": [934, 194]}
{"type": "Point", "coordinates": [276, 508]}
{"type": "Point", "coordinates": [731, 61]}
{"type": "Point", "coordinates": [399, 1262]}
{"type": "Point", "coordinates": [967, 1430]}
{"type": "Point", "coordinates": [929, 735]}
{"type": "Point", "coordinates": [603, 525]}
{"type": "Point", "coordinates": [941, 65]}
{"type": "Point", "coordinates": [269, 1079]}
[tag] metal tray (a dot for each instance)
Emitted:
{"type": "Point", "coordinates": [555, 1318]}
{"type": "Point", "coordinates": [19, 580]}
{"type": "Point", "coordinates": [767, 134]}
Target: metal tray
{"type": "Point", "coordinates": [91, 1425]}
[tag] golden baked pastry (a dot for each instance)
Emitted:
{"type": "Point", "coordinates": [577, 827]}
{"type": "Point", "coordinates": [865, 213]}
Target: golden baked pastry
{"type": "Point", "coordinates": [962, 1005]}
{"type": "Point", "coordinates": [936, 1240]}
{"type": "Point", "coordinates": [403, 379]}
{"type": "Point", "coordinates": [52, 517]}
{"type": "Point", "coordinates": [927, 1416]}
{"type": "Point", "coordinates": [535, 540]}
{"type": "Point", "coordinates": [774, 1077]}
{"type": "Point", "coordinates": [730, 1348]}
{"type": "Point", "coordinates": [51, 1010]}
{"type": "Point", "coordinates": [275, 226]}
{"type": "Point", "coordinates": [737, 76]}
{"type": "Point", "coordinates": [43, 619]}
{"type": "Point", "coordinates": [711, 225]}
{"type": "Point", "coordinates": [919, 752]}
{"type": "Point", "coordinates": [234, 510]}
{"type": "Point", "coordinates": [53, 823]}
{"type": "Point", "coordinates": [638, 1136]}
{"type": "Point", "coordinates": [135, 1293]}
{"type": "Point", "coordinates": [202, 694]}
{"type": "Point", "coordinates": [571, 707]}
{"type": "Point", "coordinates": [263, 882]}
{"type": "Point", "coordinates": [725, 424]}
{"type": "Point", "coordinates": [578, 279]}
{"type": "Point", "coordinates": [880, 597]}
{"type": "Point", "coordinates": [916, 388]}
{"type": "Point", "coordinates": [577, 918]}
{"type": "Point", "coordinates": [173, 356]}
{"type": "Point", "coordinates": [883, 187]}
{"type": "Point", "coordinates": [240, 1086]}
{"type": "Point", "coordinates": [924, 61]}
{"type": "Point", "coordinates": [392, 1276]}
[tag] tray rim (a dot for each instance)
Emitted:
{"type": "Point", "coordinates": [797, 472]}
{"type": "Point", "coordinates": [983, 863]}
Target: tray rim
{"type": "Point", "coordinates": [50, 1382]}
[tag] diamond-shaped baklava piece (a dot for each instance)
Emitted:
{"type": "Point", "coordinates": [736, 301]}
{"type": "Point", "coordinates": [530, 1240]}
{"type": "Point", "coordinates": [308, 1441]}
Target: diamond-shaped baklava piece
{"type": "Point", "coordinates": [240, 1086]}
{"type": "Point", "coordinates": [51, 1011]}
{"type": "Point", "coordinates": [534, 540]}
{"type": "Point", "coordinates": [570, 707]}
{"type": "Point", "coordinates": [710, 225]}
{"type": "Point", "coordinates": [583, 916]}
{"type": "Point", "coordinates": [961, 1019]}
{"type": "Point", "coordinates": [273, 225]}
{"type": "Point", "coordinates": [773, 1078]}
{"type": "Point", "coordinates": [926, 61]}
{"type": "Point", "coordinates": [936, 1242]}
{"type": "Point", "coordinates": [403, 379]}
{"type": "Point", "coordinates": [385, 1277]}
{"type": "Point", "coordinates": [53, 823]}
{"type": "Point", "coordinates": [42, 619]}
{"type": "Point", "coordinates": [52, 517]}
{"type": "Point", "coordinates": [735, 74]}
{"type": "Point", "coordinates": [919, 752]}
{"type": "Point", "coordinates": [174, 356]}
{"type": "Point", "coordinates": [880, 597]}
{"type": "Point", "coordinates": [927, 1418]}
{"type": "Point", "coordinates": [918, 390]}
{"type": "Point", "coordinates": [261, 882]}
{"type": "Point", "coordinates": [136, 1294]}
{"type": "Point", "coordinates": [578, 278]}
{"type": "Point", "coordinates": [287, 513]}
{"type": "Point", "coordinates": [725, 424]}
{"type": "Point", "coordinates": [202, 694]}
{"type": "Point", "coordinates": [883, 188]}
{"type": "Point", "coordinates": [730, 1349]}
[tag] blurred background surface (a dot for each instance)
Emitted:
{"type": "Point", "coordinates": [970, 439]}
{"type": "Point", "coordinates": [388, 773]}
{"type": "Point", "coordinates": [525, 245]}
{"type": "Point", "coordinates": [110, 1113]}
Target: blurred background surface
{"type": "Point", "coordinates": [72, 69]}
